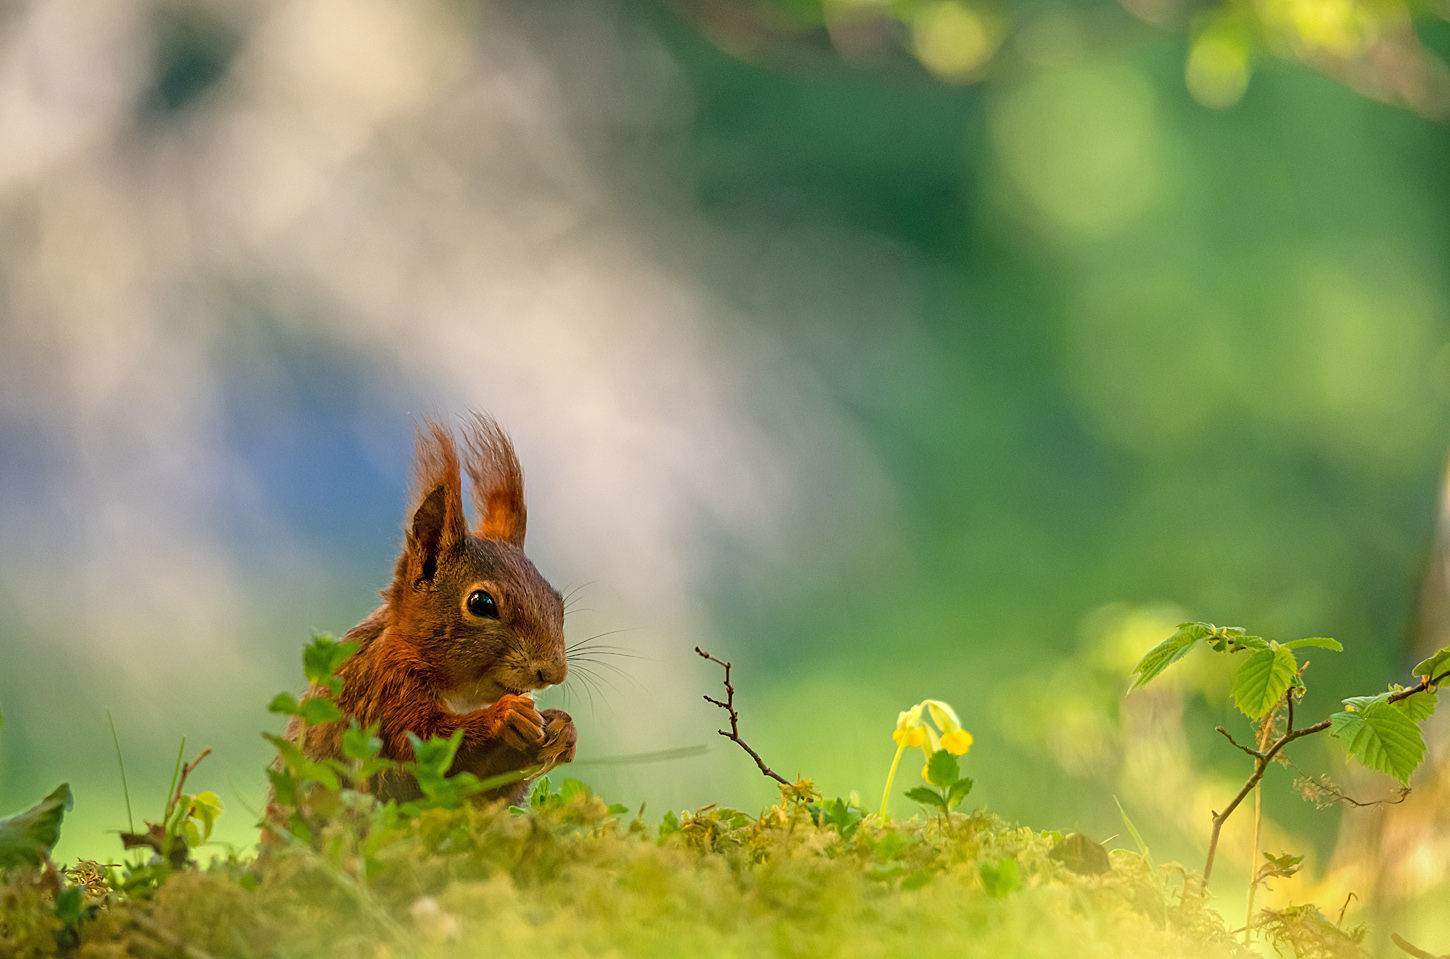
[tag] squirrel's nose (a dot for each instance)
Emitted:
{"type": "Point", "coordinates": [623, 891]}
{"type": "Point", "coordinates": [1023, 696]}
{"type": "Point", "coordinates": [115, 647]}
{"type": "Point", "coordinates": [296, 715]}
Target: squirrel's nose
{"type": "Point", "coordinates": [551, 673]}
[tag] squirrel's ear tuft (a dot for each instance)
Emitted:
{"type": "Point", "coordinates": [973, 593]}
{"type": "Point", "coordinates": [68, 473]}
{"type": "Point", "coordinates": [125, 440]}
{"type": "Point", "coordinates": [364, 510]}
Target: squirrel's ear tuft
{"type": "Point", "coordinates": [438, 521]}
{"type": "Point", "coordinates": [498, 482]}
{"type": "Point", "coordinates": [425, 539]}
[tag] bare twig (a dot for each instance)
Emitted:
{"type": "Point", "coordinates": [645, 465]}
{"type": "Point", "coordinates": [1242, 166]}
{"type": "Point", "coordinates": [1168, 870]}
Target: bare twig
{"type": "Point", "coordinates": [1344, 908]}
{"type": "Point", "coordinates": [181, 782]}
{"type": "Point", "coordinates": [734, 734]}
{"type": "Point", "coordinates": [1252, 752]}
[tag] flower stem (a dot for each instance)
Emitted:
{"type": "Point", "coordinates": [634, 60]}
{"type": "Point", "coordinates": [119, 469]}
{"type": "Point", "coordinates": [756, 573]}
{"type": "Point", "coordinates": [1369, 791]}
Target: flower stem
{"type": "Point", "coordinates": [890, 778]}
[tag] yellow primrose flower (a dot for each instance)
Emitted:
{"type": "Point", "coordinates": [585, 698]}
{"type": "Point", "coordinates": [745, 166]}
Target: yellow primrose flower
{"type": "Point", "coordinates": [912, 730]}
{"type": "Point", "coordinates": [957, 742]}
{"type": "Point", "coordinates": [906, 738]}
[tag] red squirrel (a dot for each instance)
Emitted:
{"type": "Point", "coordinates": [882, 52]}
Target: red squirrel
{"type": "Point", "coordinates": [468, 627]}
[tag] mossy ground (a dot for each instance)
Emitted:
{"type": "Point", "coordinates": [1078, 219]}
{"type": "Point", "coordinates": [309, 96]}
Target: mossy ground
{"type": "Point", "coordinates": [568, 878]}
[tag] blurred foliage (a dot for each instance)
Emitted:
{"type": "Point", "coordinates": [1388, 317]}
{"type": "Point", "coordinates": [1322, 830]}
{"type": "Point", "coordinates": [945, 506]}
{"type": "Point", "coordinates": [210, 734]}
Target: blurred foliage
{"type": "Point", "coordinates": [1370, 45]}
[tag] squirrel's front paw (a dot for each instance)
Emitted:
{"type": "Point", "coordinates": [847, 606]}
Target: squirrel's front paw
{"type": "Point", "coordinates": [515, 720]}
{"type": "Point", "coordinates": [559, 737]}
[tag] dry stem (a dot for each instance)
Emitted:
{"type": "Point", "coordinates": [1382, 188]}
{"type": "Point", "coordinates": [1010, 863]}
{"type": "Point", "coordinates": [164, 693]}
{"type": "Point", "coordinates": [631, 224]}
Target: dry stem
{"type": "Point", "coordinates": [734, 734]}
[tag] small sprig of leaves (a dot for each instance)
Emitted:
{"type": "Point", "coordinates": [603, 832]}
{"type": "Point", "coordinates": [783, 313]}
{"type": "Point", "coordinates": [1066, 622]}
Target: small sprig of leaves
{"type": "Point", "coordinates": [321, 660]}
{"type": "Point", "coordinates": [1278, 867]}
{"type": "Point", "coordinates": [943, 772]}
{"type": "Point", "coordinates": [1380, 731]}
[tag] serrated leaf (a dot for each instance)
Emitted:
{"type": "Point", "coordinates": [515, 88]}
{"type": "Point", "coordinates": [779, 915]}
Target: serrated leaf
{"type": "Point", "coordinates": [925, 796]}
{"type": "Point", "coordinates": [1381, 737]}
{"type": "Point", "coordinates": [28, 837]}
{"type": "Point", "coordinates": [1169, 651]}
{"type": "Point", "coordinates": [1250, 642]}
{"type": "Point", "coordinates": [1263, 679]}
{"type": "Point", "coordinates": [1434, 665]}
{"type": "Point", "coordinates": [1417, 708]}
{"type": "Point", "coordinates": [958, 791]}
{"type": "Point", "coordinates": [942, 769]}
{"type": "Point", "coordinates": [284, 703]}
{"type": "Point", "coordinates": [1323, 642]}
{"type": "Point", "coordinates": [318, 710]}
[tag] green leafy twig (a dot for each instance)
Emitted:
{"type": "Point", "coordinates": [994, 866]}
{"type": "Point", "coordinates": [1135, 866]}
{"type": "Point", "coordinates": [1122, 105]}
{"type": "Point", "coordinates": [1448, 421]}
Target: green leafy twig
{"type": "Point", "coordinates": [1376, 730]}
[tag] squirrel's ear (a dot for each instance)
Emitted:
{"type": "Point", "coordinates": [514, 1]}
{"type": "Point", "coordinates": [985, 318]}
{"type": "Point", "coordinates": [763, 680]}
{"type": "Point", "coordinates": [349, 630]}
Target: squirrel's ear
{"type": "Point", "coordinates": [425, 539]}
{"type": "Point", "coordinates": [498, 482]}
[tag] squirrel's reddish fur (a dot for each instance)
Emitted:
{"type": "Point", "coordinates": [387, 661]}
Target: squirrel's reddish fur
{"type": "Point", "coordinates": [428, 663]}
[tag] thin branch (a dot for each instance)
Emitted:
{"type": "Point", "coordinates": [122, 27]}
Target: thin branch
{"type": "Point", "coordinates": [181, 781]}
{"type": "Point", "coordinates": [1252, 752]}
{"type": "Point", "coordinates": [1262, 760]}
{"type": "Point", "coordinates": [734, 734]}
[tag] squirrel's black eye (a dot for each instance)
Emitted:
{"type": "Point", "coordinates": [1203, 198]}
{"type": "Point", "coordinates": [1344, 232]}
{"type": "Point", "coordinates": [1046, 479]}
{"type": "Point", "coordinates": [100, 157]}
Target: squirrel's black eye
{"type": "Point", "coordinates": [482, 604]}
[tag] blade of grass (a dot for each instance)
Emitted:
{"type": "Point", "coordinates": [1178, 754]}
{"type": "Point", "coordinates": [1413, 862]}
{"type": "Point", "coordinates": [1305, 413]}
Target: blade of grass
{"type": "Point", "coordinates": [125, 791]}
{"type": "Point", "coordinates": [1133, 831]}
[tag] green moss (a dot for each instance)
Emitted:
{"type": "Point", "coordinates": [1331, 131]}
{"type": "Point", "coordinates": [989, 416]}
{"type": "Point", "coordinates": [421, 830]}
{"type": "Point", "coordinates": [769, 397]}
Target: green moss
{"type": "Point", "coordinates": [569, 879]}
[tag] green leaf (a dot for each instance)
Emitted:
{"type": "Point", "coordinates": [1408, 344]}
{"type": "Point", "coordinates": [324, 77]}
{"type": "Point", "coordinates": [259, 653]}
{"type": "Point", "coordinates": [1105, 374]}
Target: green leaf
{"type": "Point", "coordinates": [28, 837]}
{"type": "Point", "coordinates": [358, 743]}
{"type": "Point", "coordinates": [958, 792]}
{"type": "Point", "coordinates": [1323, 642]}
{"type": "Point", "coordinates": [927, 797]}
{"type": "Point", "coordinates": [1169, 651]}
{"type": "Point", "coordinates": [570, 788]}
{"type": "Point", "coordinates": [302, 767]}
{"type": "Point", "coordinates": [1263, 679]}
{"type": "Point", "coordinates": [1435, 665]}
{"type": "Point", "coordinates": [942, 769]}
{"type": "Point", "coordinates": [1382, 737]}
{"type": "Point", "coordinates": [284, 703]}
{"type": "Point", "coordinates": [284, 787]}
{"type": "Point", "coordinates": [615, 809]}
{"type": "Point", "coordinates": [1000, 878]}
{"type": "Point", "coordinates": [915, 881]}
{"type": "Point", "coordinates": [69, 905]}
{"type": "Point", "coordinates": [318, 710]}
{"type": "Point", "coordinates": [205, 808]}
{"type": "Point", "coordinates": [1417, 708]}
{"type": "Point", "coordinates": [1361, 703]}
{"type": "Point", "coordinates": [540, 795]}
{"type": "Point", "coordinates": [322, 657]}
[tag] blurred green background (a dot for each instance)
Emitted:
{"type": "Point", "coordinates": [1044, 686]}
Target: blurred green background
{"type": "Point", "coordinates": [887, 350]}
